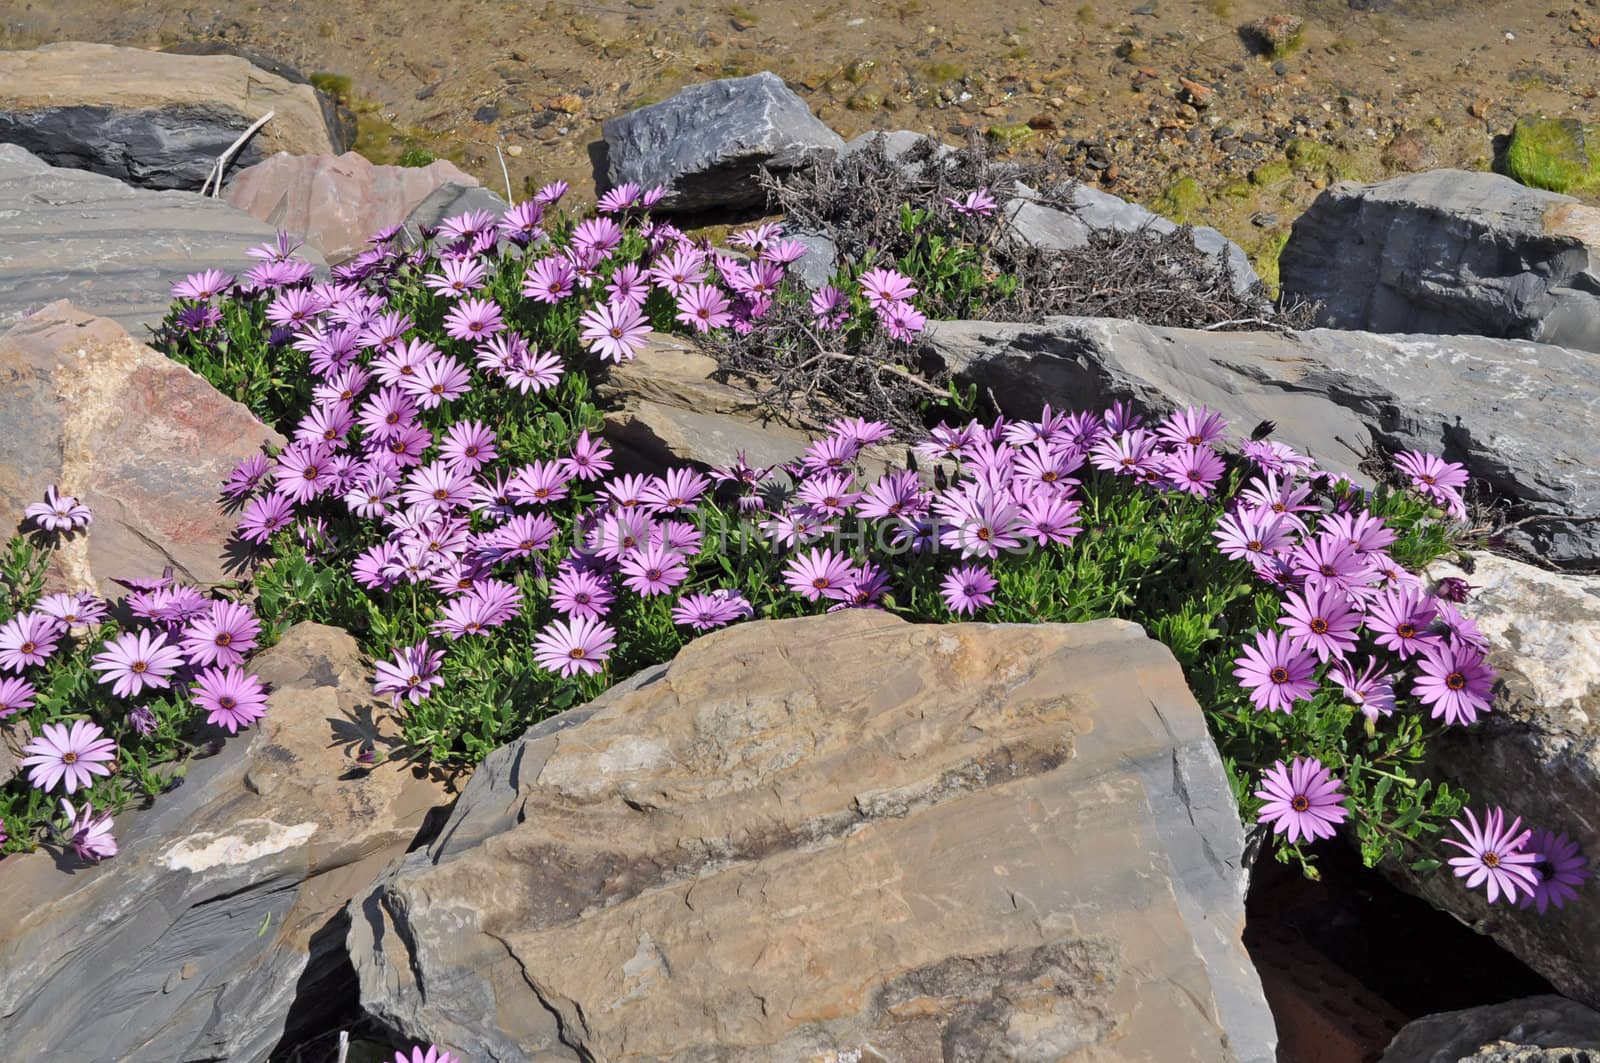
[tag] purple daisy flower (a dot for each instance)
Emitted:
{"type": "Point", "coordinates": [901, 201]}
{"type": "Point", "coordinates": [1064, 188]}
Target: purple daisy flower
{"type": "Point", "coordinates": [87, 834]}
{"type": "Point", "coordinates": [231, 697]}
{"type": "Point", "coordinates": [703, 307]}
{"type": "Point", "coordinates": [1399, 620]}
{"type": "Point", "coordinates": [818, 573]}
{"type": "Point", "coordinates": [1277, 671]}
{"type": "Point", "coordinates": [72, 609]}
{"type": "Point", "coordinates": [133, 661]}
{"type": "Point", "coordinates": [1371, 691]}
{"type": "Point", "coordinates": [1194, 426]}
{"type": "Point", "coordinates": [58, 512]}
{"type": "Point", "coordinates": [474, 320]}
{"type": "Point", "coordinates": [590, 458]}
{"type": "Point", "coordinates": [438, 380]}
{"type": "Point", "coordinates": [432, 1054]}
{"type": "Point", "coordinates": [1561, 869]}
{"type": "Point", "coordinates": [265, 517]}
{"type": "Point", "coordinates": [710, 609]}
{"type": "Point", "coordinates": [578, 644]}
{"type": "Point", "coordinates": [1321, 618]}
{"type": "Point", "coordinates": [246, 477]}
{"type": "Point", "coordinates": [15, 696]}
{"type": "Point", "coordinates": [1497, 855]}
{"type": "Point", "coordinates": [1193, 469]}
{"type": "Point", "coordinates": [576, 592]}
{"type": "Point", "coordinates": [72, 755]}
{"type": "Point", "coordinates": [1455, 681]}
{"type": "Point", "coordinates": [616, 331]}
{"type": "Point", "coordinates": [28, 640]}
{"type": "Point", "coordinates": [411, 673]}
{"type": "Point", "coordinates": [202, 286]}
{"type": "Point", "coordinates": [223, 636]}
{"type": "Point", "coordinates": [655, 569]}
{"type": "Point", "coordinates": [469, 445]}
{"type": "Point", "coordinates": [967, 589]}
{"type": "Point", "coordinates": [885, 286]}
{"type": "Point", "coordinates": [1302, 800]}
{"type": "Point", "coordinates": [1252, 534]}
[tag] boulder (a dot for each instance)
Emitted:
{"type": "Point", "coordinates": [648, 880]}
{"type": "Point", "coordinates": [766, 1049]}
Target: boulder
{"type": "Point", "coordinates": [218, 915]}
{"type": "Point", "coordinates": [1546, 1029]}
{"type": "Point", "coordinates": [336, 201]}
{"type": "Point", "coordinates": [839, 837]}
{"type": "Point", "coordinates": [706, 143]}
{"type": "Point", "coordinates": [141, 440]}
{"type": "Point", "coordinates": [110, 248]}
{"type": "Point", "coordinates": [1332, 394]}
{"type": "Point", "coordinates": [152, 119]}
{"type": "Point", "coordinates": [1537, 755]}
{"type": "Point", "coordinates": [452, 198]}
{"type": "Point", "coordinates": [1449, 252]}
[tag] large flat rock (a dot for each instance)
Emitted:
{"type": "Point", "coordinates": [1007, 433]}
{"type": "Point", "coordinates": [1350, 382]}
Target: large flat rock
{"type": "Point", "coordinates": [152, 119]}
{"type": "Point", "coordinates": [110, 248]}
{"type": "Point", "coordinates": [1546, 1029]}
{"type": "Point", "coordinates": [140, 439]}
{"type": "Point", "coordinates": [839, 837]}
{"type": "Point", "coordinates": [706, 143]}
{"type": "Point", "coordinates": [1518, 414]}
{"type": "Point", "coordinates": [1448, 251]}
{"type": "Point", "coordinates": [218, 915]}
{"type": "Point", "coordinates": [336, 202]}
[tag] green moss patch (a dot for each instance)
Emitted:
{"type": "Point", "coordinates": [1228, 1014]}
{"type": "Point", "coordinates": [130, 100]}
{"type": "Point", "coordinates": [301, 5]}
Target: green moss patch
{"type": "Point", "coordinates": [1554, 153]}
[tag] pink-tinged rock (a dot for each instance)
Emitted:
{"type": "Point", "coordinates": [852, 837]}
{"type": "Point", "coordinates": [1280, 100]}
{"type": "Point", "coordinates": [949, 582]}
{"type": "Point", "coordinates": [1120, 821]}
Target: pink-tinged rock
{"type": "Point", "coordinates": [141, 440]}
{"type": "Point", "coordinates": [336, 202]}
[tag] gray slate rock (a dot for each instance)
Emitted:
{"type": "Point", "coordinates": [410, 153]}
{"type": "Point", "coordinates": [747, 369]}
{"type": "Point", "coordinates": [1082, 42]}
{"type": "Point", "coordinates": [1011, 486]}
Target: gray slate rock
{"type": "Point", "coordinates": [1519, 414]}
{"type": "Point", "coordinates": [706, 143]}
{"type": "Point", "coordinates": [1546, 1029]}
{"type": "Point", "coordinates": [450, 199]}
{"type": "Point", "coordinates": [110, 248]}
{"type": "Point", "coordinates": [839, 837]}
{"type": "Point", "coordinates": [1447, 252]}
{"type": "Point", "coordinates": [1038, 224]}
{"type": "Point", "coordinates": [218, 917]}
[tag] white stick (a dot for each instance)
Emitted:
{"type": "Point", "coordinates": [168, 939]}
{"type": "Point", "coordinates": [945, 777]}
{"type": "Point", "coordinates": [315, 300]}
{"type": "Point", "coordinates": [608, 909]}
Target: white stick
{"type": "Point", "coordinates": [344, 1045]}
{"type": "Point", "coordinates": [504, 173]}
{"type": "Point", "coordinates": [222, 160]}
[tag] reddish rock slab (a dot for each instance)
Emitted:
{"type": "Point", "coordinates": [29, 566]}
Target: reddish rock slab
{"type": "Point", "coordinates": [141, 440]}
{"type": "Point", "coordinates": [336, 201]}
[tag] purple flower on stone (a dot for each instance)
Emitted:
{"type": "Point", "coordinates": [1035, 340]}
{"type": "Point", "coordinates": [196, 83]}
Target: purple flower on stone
{"type": "Point", "coordinates": [818, 573]}
{"type": "Point", "coordinates": [1193, 426]}
{"type": "Point", "coordinates": [58, 512]}
{"type": "Point", "coordinates": [1276, 671]}
{"type": "Point", "coordinates": [1301, 800]}
{"type": "Point", "coordinates": [28, 640]}
{"type": "Point", "coordinates": [703, 307]}
{"type": "Point", "coordinates": [578, 644]}
{"type": "Point", "coordinates": [615, 331]}
{"type": "Point", "coordinates": [70, 755]}
{"type": "Point", "coordinates": [71, 609]}
{"type": "Point", "coordinates": [411, 673]}
{"type": "Point", "coordinates": [265, 517]}
{"type": "Point", "coordinates": [134, 661]}
{"type": "Point", "coordinates": [246, 477]}
{"type": "Point", "coordinates": [433, 1053]}
{"type": "Point", "coordinates": [15, 696]}
{"type": "Point", "coordinates": [231, 697]}
{"type": "Point", "coordinates": [1455, 681]}
{"type": "Point", "coordinates": [87, 834]}
{"type": "Point", "coordinates": [1496, 857]}
{"type": "Point", "coordinates": [967, 589]}
{"type": "Point", "coordinates": [202, 286]}
{"type": "Point", "coordinates": [1561, 869]}
{"type": "Point", "coordinates": [1399, 619]}
{"type": "Point", "coordinates": [710, 609]}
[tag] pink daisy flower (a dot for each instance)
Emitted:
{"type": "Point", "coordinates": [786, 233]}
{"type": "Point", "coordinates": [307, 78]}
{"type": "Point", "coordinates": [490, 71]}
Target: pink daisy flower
{"type": "Point", "coordinates": [27, 640]}
{"type": "Point", "coordinates": [967, 589]}
{"type": "Point", "coordinates": [432, 1054]}
{"type": "Point", "coordinates": [468, 445]}
{"type": "Point", "coordinates": [411, 673]}
{"type": "Point", "coordinates": [654, 569]}
{"type": "Point", "coordinates": [576, 592]}
{"type": "Point", "coordinates": [438, 380]}
{"type": "Point", "coordinates": [15, 696]}
{"type": "Point", "coordinates": [223, 636]}
{"type": "Point", "coordinates": [70, 755]}
{"type": "Point", "coordinates": [703, 307]}
{"type": "Point", "coordinates": [818, 573]}
{"type": "Point", "coordinates": [1496, 857]}
{"type": "Point", "coordinates": [1301, 801]}
{"type": "Point", "coordinates": [885, 286]}
{"type": "Point", "coordinates": [616, 332]}
{"type": "Point", "coordinates": [1455, 680]}
{"type": "Point", "coordinates": [134, 661]}
{"type": "Point", "coordinates": [590, 458]}
{"type": "Point", "coordinates": [1371, 691]}
{"type": "Point", "coordinates": [579, 644]}
{"type": "Point", "coordinates": [87, 834]}
{"type": "Point", "coordinates": [202, 286]}
{"type": "Point", "coordinates": [704, 611]}
{"type": "Point", "coordinates": [1276, 671]}
{"type": "Point", "coordinates": [58, 513]}
{"type": "Point", "coordinates": [1562, 868]}
{"type": "Point", "coordinates": [1321, 618]}
{"type": "Point", "coordinates": [231, 697]}
{"type": "Point", "coordinates": [474, 320]}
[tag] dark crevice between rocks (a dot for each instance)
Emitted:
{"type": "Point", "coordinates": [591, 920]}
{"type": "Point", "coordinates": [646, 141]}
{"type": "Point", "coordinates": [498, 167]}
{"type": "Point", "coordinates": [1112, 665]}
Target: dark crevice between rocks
{"type": "Point", "coordinates": [327, 1000]}
{"type": "Point", "coordinates": [1346, 962]}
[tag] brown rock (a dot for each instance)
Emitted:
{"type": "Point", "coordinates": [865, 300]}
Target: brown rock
{"type": "Point", "coordinates": [336, 201]}
{"type": "Point", "coordinates": [141, 440]}
{"type": "Point", "coordinates": [839, 837]}
{"type": "Point", "coordinates": [1275, 35]}
{"type": "Point", "coordinates": [1195, 93]}
{"type": "Point", "coordinates": [192, 942]}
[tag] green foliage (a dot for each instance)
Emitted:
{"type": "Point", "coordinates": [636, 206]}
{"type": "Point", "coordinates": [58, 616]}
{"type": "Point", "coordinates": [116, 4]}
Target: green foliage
{"type": "Point", "coordinates": [415, 157]}
{"type": "Point", "coordinates": [1554, 153]}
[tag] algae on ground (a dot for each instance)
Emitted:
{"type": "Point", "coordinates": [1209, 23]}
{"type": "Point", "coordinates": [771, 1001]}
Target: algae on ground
{"type": "Point", "coordinates": [1181, 200]}
{"type": "Point", "coordinates": [1554, 154]}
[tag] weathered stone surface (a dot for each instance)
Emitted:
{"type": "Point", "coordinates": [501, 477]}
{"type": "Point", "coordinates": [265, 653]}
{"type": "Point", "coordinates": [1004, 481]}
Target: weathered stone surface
{"type": "Point", "coordinates": [153, 119]}
{"type": "Point", "coordinates": [141, 440]}
{"type": "Point", "coordinates": [1517, 1031]}
{"type": "Point", "coordinates": [110, 248]}
{"type": "Point", "coordinates": [1517, 413]}
{"type": "Point", "coordinates": [192, 943]}
{"type": "Point", "coordinates": [1537, 755]}
{"type": "Point", "coordinates": [452, 198]}
{"type": "Point", "coordinates": [1040, 225]}
{"type": "Point", "coordinates": [1450, 252]}
{"type": "Point", "coordinates": [706, 143]}
{"type": "Point", "coordinates": [336, 202]}
{"type": "Point", "coordinates": [667, 406]}
{"type": "Point", "coordinates": [839, 837]}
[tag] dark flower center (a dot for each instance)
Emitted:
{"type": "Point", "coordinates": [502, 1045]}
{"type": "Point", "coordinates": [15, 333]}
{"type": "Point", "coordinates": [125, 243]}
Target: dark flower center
{"type": "Point", "coordinates": [227, 703]}
{"type": "Point", "coordinates": [652, 573]}
{"type": "Point", "coordinates": [577, 653]}
{"type": "Point", "coordinates": [1193, 441]}
{"type": "Point", "coordinates": [983, 534]}
{"type": "Point", "coordinates": [437, 389]}
{"type": "Point", "coordinates": [1319, 626]}
{"type": "Point", "coordinates": [441, 494]}
{"type": "Point", "coordinates": [616, 334]}
{"type": "Point", "coordinates": [1491, 859]}
{"type": "Point", "coordinates": [1455, 681]}
{"type": "Point", "coordinates": [1254, 546]}
{"type": "Point", "coordinates": [1328, 570]}
{"type": "Point", "coordinates": [1406, 631]}
{"type": "Point", "coordinates": [1279, 675]}
{"type": "Point", "coordinates": [26, 648]}
{"type": "Point", "coordinates": [69, 758]}
{"type": "Point", "coordinates": [413, 680]}
{"type": "Point", "coordinates": [392, 418]}
{"type": "Point", "coordinates": [224, 639]}
{"type": "Point", "coordinates": [1300, 803]}
{"type": "Point", "coordinates": [311, 472]}
{"type": "Point", "coordinates": [471, 451]}
{"type": "Point", "coordinates": [138, 667]}
{"type": "Point", "coordinates": [822, 583]}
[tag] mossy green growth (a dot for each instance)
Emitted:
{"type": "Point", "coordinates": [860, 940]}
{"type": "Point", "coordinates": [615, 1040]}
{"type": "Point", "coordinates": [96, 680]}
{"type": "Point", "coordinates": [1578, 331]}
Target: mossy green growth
{"type": "Point", "coordinates": [416, 157]}
{"type": "Point", "coordinates": [1554, 153]}
{"type": "Point", "coordinates": [1010, 135]}
{"type": "Point", "coordinates": [1271, 173]}
{"type": "Point", "coordinates": [1181, 200]}
{"type": "Point", "coordinates": [1264, 258]}
{"type": "Point", "coordinates": [1310, 158]}
{"type": "Point", "coordinates": [337, 86]}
